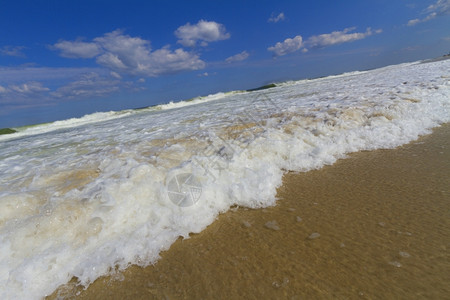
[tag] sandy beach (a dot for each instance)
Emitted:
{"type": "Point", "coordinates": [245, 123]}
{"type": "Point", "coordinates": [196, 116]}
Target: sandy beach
{"type": "Point", "coordinates": [372, 226]}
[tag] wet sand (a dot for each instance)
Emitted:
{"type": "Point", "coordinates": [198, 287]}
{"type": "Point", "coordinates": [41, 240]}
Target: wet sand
{"type": "Point", "coordinates": [373, 226]}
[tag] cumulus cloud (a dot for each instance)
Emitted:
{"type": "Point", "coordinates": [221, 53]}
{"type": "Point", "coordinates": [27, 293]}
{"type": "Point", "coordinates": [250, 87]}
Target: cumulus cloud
{"type": "Point", "coordinates": [2, 89]}
{"type": "Point", "coordinates": [287, 46]}
{"type": "Point", "coordinates": [203, 32]}
{"type": "Point", "coordinates": [165, 61]}
{"type": "Point", "coordinates": [276, 19]}
{"type": "Point", "coordinates": [12, 51]}
{"type": "Point", "coordinates": [319, 41]}
{"type": "Point", "coordinates": [238, 57]}
{"type": "Point", "coordinates": [440, 8]}
{"type": "Point", "coordinates": [122, 53]}
{"type": "Point", "coordinates": [338, 37]}
{"type": "Point", "coordinates": [77, 49]}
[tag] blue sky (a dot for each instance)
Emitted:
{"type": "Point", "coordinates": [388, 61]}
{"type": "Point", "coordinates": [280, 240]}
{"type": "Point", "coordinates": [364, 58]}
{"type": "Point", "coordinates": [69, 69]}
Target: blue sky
{"type": "Point", "coordinates": [62, 59]}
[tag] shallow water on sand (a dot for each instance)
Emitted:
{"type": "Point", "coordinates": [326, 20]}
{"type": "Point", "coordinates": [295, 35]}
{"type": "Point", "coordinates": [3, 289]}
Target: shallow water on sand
{"type": "Point", "coordinates": [373, 226]}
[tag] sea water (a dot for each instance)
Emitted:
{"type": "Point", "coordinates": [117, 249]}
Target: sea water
{"type": "Point", "coordinates": [90, 196]}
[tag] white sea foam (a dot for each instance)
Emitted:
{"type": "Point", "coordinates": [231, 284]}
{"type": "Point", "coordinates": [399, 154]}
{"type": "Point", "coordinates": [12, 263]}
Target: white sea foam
{"type": "Point", "coordinates": [111, 115]}
{"type": "Point", "coordinates": [92, 197]}
{"type": "Point", "coordinates": [64, 124]}
{"type": "Point", "coordinates": [197, 100]}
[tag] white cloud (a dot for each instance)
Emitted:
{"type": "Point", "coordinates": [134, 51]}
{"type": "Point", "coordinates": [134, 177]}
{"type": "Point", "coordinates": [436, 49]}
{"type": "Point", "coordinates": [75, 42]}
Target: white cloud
{"type": "Point", "coordinates": [319, 41]}
{"type": "Point", "coordinates": [238, 57]}
{"type": "Point", "coordinates": [440, 8]}
{"type": "Point", "coordinates": [426, 19]}
{"type": "Point", "coordinates": [77, 49]}
{"type": "Point", "coordinates": [115, 75]}
{"type": "Point", "coordinates": [165, 61]}
{"type": "Point", "coordinates": [29, 85]}
{"type": "Point", "coordinates": [12, 51]}
{"type": "Point", "coordinates": [287, 46]}
{"type": "Point", "coordinates": [86, 85]}
{"type": "Point", "coordinates": [29, 88]}
{"type": "Point", "coordinates": [19, 94]}
{"type": "Point", "coordinates": [122, 52]}
{"type": "Point", "coordinates": [206, 74]}
{"type": "Point", "coordinates": [203, 31]}
{"type": "Point", "coordinates": [338, 37]}
{"type": "Point", "coordinates": [276, 19]}
{"type": "Point", "coordinates": [132, 55]}
{"type": "Point", "coordinates": [413, 22]}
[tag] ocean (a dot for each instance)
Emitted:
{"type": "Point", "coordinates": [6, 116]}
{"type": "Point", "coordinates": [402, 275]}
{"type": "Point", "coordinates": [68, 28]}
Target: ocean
{"type": "Point", "coordinates": [91, 196]}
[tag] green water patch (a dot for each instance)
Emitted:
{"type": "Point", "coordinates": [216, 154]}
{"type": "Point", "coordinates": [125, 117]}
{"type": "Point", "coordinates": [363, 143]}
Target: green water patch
{"type": "Point", "coordinates": [22, 128]}
{"type": "Point", "coordinates": [7, 131]}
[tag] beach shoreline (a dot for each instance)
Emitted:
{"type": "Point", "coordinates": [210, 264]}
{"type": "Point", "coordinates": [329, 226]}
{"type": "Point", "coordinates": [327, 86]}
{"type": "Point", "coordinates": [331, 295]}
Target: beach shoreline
{"type": "Point", "coordinates": [371, 226]}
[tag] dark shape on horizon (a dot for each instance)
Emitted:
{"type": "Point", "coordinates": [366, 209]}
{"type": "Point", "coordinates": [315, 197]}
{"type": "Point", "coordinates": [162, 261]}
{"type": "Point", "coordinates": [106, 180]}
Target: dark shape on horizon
{"type": "Point", "coordinates": [7, 131]}
{"type": "Point", "coordinates": [264, 87]}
